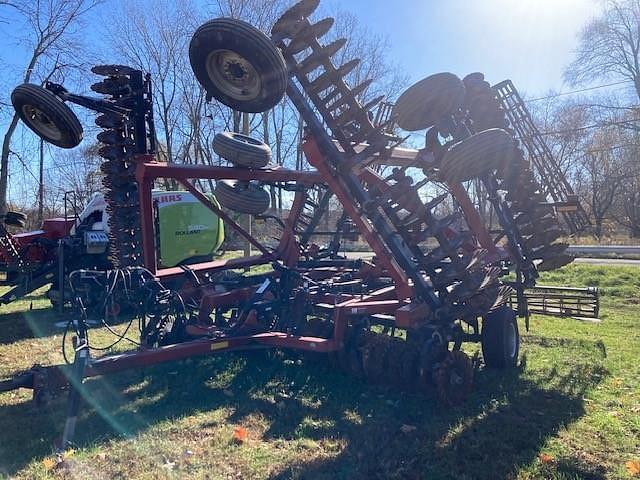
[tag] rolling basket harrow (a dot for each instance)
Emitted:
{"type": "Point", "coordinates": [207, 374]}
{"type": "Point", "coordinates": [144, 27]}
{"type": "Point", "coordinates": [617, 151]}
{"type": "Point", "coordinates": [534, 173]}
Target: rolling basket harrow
{"type": "Point", "coordinates": [435, 281]}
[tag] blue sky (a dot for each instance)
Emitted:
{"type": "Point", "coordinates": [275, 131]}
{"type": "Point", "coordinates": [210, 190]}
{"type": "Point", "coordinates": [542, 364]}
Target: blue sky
{"type": "Point", "coordinates": [528, 41]}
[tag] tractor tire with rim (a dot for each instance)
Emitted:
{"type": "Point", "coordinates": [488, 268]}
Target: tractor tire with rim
{"type": "Point", "coordinates": [238, 65]}
{"type": "Point", "coordinates": [425, 103]}
{"type": "Point", "coordinates": [241, 150]}
{"type": "Point", "coordinates": [48, 116]}
{"type": "Point", "coordinates": [477, 155]}
{"type": "Point", "coordinates": [500, 338]}
{"type": "Point", "coordinates": [242, 197]}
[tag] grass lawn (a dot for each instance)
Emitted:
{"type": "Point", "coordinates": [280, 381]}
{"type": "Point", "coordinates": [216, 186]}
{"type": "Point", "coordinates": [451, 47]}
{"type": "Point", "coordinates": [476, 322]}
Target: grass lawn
{"type": "Point", "coordinates": [570, 411]}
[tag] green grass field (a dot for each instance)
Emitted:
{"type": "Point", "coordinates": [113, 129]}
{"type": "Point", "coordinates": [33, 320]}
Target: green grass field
{"type": "Point", "coordinates": [570, 411]}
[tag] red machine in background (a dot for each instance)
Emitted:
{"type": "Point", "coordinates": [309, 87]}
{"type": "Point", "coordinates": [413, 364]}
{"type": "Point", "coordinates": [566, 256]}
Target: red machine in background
{"type": "Point", "coordinates": [28, 260]}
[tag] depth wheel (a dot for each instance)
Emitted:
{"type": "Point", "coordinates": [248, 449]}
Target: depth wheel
{"type": "Point", "coordinates": [47, 115]}
{"type": "Point", "coordinates": [241, 150]}
{"type": "Point", "coordinates": [243, 197]}
{"type": "Point", "coordinates": [500, 338]}
{"type": "Point", "coordinates": [238, 65]}
{"type": "Point", "coordinates": [425, 103]}
{"type": "Point", "coordinates": [454, 379]}
{"type": "Point", "coordinates": [477, 155]}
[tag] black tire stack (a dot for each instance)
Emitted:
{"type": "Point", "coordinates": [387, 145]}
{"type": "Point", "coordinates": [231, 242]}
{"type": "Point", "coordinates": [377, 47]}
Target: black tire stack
{"type": "Point", "coordinates": [243, 152]}
{"type": "Point", "coordinates": [118, 150]}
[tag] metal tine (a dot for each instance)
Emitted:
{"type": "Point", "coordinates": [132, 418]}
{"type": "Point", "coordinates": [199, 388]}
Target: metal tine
{"type": "Point", "coordinates": [362, 135]}
{"type": "Point", "coordinates": [289, 23]}
{"type": "Point", "coordinates": [373, 102]}
{"type": "Point", "coordinates": [431, 204]}
{"type": "Point", "coordinates": [329, 77]}
{"type": "Point", "coordinates": [303, 39]}
{"type": "Point", "coordinates": [348, 116]}
{"type": "Point", "coordinates": [358, 89]}
{"type": "Point", "coordinates": [317, 58]}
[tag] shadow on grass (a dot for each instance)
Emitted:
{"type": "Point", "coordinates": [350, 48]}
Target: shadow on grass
{"type": "Point", "coordinates": [35, 323]}
{"type": "Point", "coordinates": [41, 323]}
{"type": "Point", "coordinates": [502, 426]}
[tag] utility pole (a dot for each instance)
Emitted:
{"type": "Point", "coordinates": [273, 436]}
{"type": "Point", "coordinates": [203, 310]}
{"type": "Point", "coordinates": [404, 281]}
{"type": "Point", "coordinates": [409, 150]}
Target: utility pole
{"type": "Point", "coordinates": [245, 131]}
{"type": "Point", "coordinates": [41, 185]}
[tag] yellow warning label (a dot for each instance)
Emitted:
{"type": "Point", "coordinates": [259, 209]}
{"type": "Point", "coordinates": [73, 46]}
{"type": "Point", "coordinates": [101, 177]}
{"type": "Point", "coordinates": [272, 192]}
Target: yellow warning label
{"type": "Point", "coordinates": [219, 345]}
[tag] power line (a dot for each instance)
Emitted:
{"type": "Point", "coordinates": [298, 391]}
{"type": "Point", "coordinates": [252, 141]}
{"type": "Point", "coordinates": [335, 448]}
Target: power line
{"type": "Point", "coordinates": [578, 91]}
{"type": "Point", "coordinates": [588, 127]}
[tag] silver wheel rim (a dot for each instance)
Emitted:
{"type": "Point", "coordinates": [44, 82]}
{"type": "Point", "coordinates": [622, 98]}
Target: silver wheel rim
{"type": "Point", "coordinates": [510, 340]}
{"type": "Point", "coordinates": [41, 122]}
{"type": "Point", "coordinates": [233, 75]}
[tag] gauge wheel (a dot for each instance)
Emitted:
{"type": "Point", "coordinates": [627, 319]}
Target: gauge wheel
{"type": "Point", "coordinates": [425, 103]}
{"type": "Point", "coordinates": [242, 197]}
{"type": "Point", "coordinates": [500, 338]}
{"type": "Point", "coordinates": [238, 65]}
{"type": "Point", "coordinates": [242, 150]}
{"type": "Point", "coordinates": [44, 113]}
{"type": "Point", "coordinates": [477, 155]}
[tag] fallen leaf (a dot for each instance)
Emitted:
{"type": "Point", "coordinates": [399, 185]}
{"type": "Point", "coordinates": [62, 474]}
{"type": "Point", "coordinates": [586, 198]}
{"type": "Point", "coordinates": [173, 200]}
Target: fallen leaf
{"type": "Point", "coordinates": [633, 467]}
{"type": "Point", "coordinates": [407, 428]}
{"type": "Point", "coordinates": [545, 458]}
{"type": "Point", "coordinates": [240, 434]}
{"type": "Point", "coordinates": [49, 463]}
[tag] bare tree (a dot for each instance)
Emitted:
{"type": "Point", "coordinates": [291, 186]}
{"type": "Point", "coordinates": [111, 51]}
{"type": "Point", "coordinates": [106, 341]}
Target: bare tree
{"type": "Point", "coordinates": [609, 46]}
{"type": "Point", "coordinates": [155, 40]}
{"type": "Point", "coordinates": [51, 26]}
{"type": "Point", "coordinates": [601, 175]}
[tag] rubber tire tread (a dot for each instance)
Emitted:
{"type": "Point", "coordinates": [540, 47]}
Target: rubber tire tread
{"type": "Point", "coordinates": [243, 38]}
{"type": "Point", "coordinates": [15, 219]}
{"type": "Point", "coordinates": [477, 155]}
{"type": "Point", "coordinates": [56, 110]}
{"type": "Point", "coordinates": [494, 328]}
{"type": "Point", "coordinates": [252, 200]}
{"type": "Point", "coordinates": [241, 153]}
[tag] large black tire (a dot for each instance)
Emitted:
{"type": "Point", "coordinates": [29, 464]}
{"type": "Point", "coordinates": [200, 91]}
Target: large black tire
{"type": "Point", "coordinates": [477, 155]}
{"type": "Point", "coordinates": [238, 65]}
{"type": "Point", "coordinates": [425, 103]}
{"type": "Point", "coordinates": [241, 150]}
{"type": "Point", "coordinates": [48, 116]}
{"type": "Point", "coordinates": [500, 338]}
{"type": "Point", "coordinates": [242, 197]}
{"type": "Point", "coordinates": [15, 219]}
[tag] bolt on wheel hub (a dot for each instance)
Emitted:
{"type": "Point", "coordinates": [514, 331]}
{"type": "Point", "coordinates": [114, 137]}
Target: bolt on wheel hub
{"type": "Point", "coordinates": [233, 74]}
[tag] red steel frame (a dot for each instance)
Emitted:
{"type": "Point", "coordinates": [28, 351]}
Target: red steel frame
{"type": "Point", "coordinates": [394, 300]}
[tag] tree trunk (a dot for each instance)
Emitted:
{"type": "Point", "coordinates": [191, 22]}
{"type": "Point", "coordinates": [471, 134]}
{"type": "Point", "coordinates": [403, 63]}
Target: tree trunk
{"type": "Point", "coordinates": [41, 185]}
{"type": "Point", "coordinates": [597, 231]}
{"type": "Point", "coordinates": [4, 163]}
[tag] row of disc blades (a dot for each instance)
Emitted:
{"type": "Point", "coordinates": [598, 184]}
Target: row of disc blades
{"type": "Point", "coordinates": [118, 150]}
{"type": "Point", "coordinates": [413, 366]}
{"type": "Point", "coordinates": [536, 221]}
